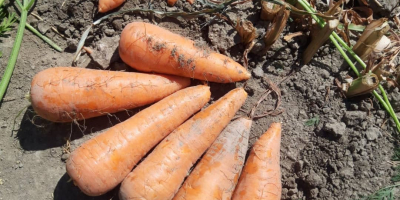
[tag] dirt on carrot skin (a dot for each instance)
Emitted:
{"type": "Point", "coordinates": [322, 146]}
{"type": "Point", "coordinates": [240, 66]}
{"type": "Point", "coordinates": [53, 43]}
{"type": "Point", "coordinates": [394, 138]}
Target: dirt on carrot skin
{"type": "Point", "coordinates": [343, 156]}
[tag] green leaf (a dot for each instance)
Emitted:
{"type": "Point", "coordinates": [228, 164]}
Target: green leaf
{"type": "Point", "coordinates": [6, 23]}
{"type": "Point", "coordinates": [313, 121]}
{"type": "Point", "coordinates": [382, 194]}
{"type": "Point", "coordinates": [5, 80]}
{"type": "Point", "coordinates": [396, 157]}
{"type": "Point", "coordinates": [352, 27]}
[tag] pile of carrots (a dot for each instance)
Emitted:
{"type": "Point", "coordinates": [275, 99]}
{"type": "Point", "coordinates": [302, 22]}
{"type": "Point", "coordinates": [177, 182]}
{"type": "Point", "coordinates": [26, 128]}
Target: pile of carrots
{"type": "Point", "coordinates": [170, 132]}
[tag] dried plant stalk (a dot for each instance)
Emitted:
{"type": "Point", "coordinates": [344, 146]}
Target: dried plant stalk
{"type": "Point", "coordinates": [382, 44]}
{"type": "Point", "coordinates": [318, 38]}
{"type": "Point", "coordinates": [247, 33]}
{"type": "Point", "coordinates": [370, 37]}
{"type": "Point", "coordinates": [363, 85]}
{"type": "Point", "coordinates": [379, 69]}
{"type": "Point", "coordinates": [335, 8]}
{"type": "Point", "coordinates": [269, 10]}
{"type": "Point", "coordinates": [276, 28]}
{"type": "Point", "coordinates": [290, 36]}
{"type": "Point", "coordinates": [396, 21]}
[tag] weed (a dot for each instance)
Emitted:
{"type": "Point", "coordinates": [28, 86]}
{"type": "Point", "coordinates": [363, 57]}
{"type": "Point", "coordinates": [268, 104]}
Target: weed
{"type": "Point", "coordinates": [313, 121]}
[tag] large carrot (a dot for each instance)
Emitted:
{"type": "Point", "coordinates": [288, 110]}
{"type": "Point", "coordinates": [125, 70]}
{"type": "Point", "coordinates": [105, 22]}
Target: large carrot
{"type": "Point", "coordinates": [150, 48]}
{"type": "Point", "coordinates": [64, 94]}
{"type": "Point", "coordinates": [101, 163]}
{"type": "Point", "coordinates": [261, 176]}
{"type": "Point", "coordinates": [163, 171]}
{"type": "Point", "coordinates": [107, 5]}
{"type": "Point", "coordinates": [217, 173]}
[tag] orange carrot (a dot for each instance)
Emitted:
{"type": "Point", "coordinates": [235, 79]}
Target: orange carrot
{"type": "Point", "coordinates": [163, 171]}
{"type": "Point", "coordinates": [150, 48]}
{"type": "Point", "coordinates": [101, 163]}
{"type": "Point", "coordinates": [172, 2]}
{"type": "Point", "coordinates": [217, 173]}
{"type": "Point", "coordinates": [64, 94]}
{"type": "Point", "coordinates": [107, 5]}
{"type": "Point", "coordinates": [261, 176]}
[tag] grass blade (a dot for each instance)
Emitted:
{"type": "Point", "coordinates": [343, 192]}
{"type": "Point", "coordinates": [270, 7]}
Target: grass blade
{"type": "Point", "coordinates": [6, 23]}
{"type": "Point", "coordinates": [353, 27]}
{"type": "Point", "coordinates": [14, 53]}
{"type": "Point", "coordinates": [44, 38]}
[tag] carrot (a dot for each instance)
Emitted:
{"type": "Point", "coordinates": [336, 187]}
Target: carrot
{"type": "Point", "coordinates": [217, 173]}
{"type": "Point", "coordinates": [150, 48]}
{"type": "Point", "coordinates": [107, 5]}
{"type": "Point", "coordinates": [163, 171]}
{"type": "Point", "coordinates": [172, 2]}
{"type": "Point", "coordinates": [101, 163]}
{"type": "Point", "coordinates": [261, 176]}
{"type": "Point", "coordinates": [64, 94]}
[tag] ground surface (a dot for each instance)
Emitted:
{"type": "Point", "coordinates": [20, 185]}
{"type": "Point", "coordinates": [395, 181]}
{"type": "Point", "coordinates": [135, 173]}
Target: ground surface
{"type": "Point", "coordinates": [344, 156]}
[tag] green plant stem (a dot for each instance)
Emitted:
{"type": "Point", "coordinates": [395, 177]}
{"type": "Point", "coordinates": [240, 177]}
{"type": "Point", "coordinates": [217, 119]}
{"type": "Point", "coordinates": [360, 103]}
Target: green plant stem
{"type": "Point", "coordinates": [344, 55]}
{"type": "Point", "coordinates": [14, 52]}
{"type": "Point", "coordinates": [44, 38]}
{"type": "Point", "coordinates": [335, 38]}
{"type": "Point", "coordinates": [349, 50]}
{"type": "Point", "coordinates": [41, 36]}
{"type": "Point", "coordinates": [387, 105]}
{"type": "Point", "coordinates": [390, 108]}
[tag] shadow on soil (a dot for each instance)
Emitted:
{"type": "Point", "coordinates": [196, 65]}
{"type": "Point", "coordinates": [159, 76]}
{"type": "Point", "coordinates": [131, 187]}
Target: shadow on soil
{"type": "Point", "coordinates": [66, 190]}
{"type": "Point", "coordinates": [36, 133]}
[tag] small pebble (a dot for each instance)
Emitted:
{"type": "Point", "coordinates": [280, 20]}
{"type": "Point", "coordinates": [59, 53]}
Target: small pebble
{"type": "Point", "coordinates": [117, 24]}
{"type": "Point", "coordinates": [258, 72]}
{"type": "Point", "coordinates": [43, 27]}
{"type": "Point", "coordinates": [372, 133]}
{"type": "Point", "coordinates": [126, 17]}
{"type": "Point", "coordinates": [314, 192]}
{"type": "Point", "coordinates": [337, 129]}
{"type": "Point", "coordinates": [325, 74]}
{"type": "Point", "coordinates": [109, 32]}
{"type": "Point", "coordinates": [62, 27]}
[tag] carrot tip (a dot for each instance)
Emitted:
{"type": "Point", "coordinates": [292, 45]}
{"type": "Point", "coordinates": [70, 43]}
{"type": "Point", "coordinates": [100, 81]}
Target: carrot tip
{"type": "Point", "coordinates": [171, 2]}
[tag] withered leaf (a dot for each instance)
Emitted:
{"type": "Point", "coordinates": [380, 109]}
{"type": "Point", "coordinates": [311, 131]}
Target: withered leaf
{"type": "Point", "coordinates": [246, 31]}
{"type": "Point", "coordinates": [370, 37]}
{"type": "Point", "coordinates": [269, 10]}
